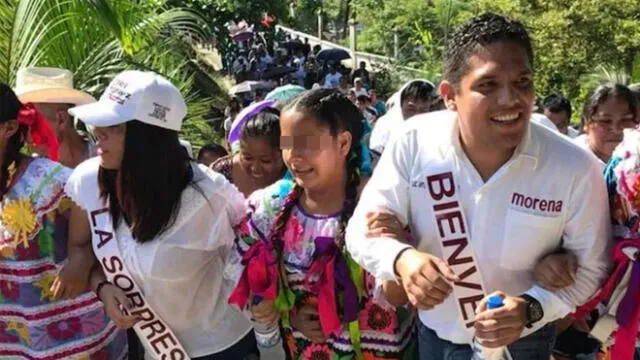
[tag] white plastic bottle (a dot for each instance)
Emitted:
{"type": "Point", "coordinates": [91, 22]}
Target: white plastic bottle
{"type": "Point", "coordinates": [268, 338]}
{"type": "Point", "coordinates": [483, 353]}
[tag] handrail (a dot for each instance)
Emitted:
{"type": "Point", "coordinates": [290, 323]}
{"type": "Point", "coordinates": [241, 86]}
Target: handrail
{"type": "Point", "coordinates": [385, 60]}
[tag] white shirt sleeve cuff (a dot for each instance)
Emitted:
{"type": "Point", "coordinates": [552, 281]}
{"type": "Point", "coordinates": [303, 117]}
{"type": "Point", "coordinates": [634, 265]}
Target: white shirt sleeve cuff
{"type": "Point", "coordinates": [554, 308]}
{"type": "Point", "coordinates": [389, 254]}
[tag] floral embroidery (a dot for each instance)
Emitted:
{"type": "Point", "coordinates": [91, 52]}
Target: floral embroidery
{"type": "Point", "coordinates": [317, 352]}
{"type": "Point", "coordinates": [375, 318]}
{"type": "Point", "coordinates": [65, 329]}
{"type": "Point", "coordinates": [21, 329]}
{"type": "Point", "coordinates": [9, 290]}
{"type": "Point", "coordinates": [17, 221]}
{"type": "Point", "coordinates": [291, 236]}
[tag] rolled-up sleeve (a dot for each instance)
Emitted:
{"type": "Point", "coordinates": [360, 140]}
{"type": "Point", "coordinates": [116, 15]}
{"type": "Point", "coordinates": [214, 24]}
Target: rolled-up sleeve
{"type": "Point", "coordinates": [587, 235]}
{"type": "Point", "coordinates": [388, 189]}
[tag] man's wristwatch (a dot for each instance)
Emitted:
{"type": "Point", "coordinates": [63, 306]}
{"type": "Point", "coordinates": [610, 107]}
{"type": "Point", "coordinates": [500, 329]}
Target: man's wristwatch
{"type": "Point", "coordinates": [534, 310]}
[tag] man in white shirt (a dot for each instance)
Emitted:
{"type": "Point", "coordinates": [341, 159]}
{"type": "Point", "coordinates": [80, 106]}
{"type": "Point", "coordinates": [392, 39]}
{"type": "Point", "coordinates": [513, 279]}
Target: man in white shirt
{"type": "Point", "coordinates": [558, 109]}
{"type": "Point", "coordinates": [358, 89]}
{"type": "Point", "coordinates": [332, 79]}
{"type": "Point", "coordinates": [486, 194]}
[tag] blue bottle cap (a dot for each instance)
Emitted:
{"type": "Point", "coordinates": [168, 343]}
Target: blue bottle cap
{"type": "Point", "coordinates": [494, 302]}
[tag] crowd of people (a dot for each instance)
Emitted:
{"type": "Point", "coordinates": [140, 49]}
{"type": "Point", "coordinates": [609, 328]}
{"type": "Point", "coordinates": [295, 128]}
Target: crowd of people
{"type": "Point", "coordinates": [356, 228]}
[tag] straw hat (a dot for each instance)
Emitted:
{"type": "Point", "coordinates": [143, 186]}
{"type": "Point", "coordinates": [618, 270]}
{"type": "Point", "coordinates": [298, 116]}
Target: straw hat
{"type": "Point", "coordinates": [49, 85]}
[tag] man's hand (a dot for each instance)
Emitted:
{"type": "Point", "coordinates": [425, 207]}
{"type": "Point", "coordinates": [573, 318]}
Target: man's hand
{"type": "Point", "coordinates": [502, 326]}
{"type": "Point", "coordinates": [426, 279]}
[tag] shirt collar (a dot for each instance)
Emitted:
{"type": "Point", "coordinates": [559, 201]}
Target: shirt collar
{"type": "Point", "coordinates": [529, 148]}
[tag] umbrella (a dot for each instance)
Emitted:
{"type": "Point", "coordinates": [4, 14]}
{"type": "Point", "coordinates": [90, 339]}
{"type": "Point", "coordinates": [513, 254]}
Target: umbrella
{"type": "Point", "coordinates": [277, 72]}
{"type": "Point", "coordinates": [333, 55]}
{"type": "Point", "coordinates": [243, 116]}
{"type": "Point", "coordinates": [284, 93]}
{"type": "Point", "coordinates": [249, 86]}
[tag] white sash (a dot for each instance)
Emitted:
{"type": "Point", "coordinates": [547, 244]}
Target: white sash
{"type": "Point", "coordinates": [160, 342]}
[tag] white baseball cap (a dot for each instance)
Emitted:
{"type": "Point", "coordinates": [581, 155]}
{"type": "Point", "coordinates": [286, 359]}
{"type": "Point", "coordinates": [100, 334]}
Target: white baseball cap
{"type": "Point", "coordinates": [136, 95]}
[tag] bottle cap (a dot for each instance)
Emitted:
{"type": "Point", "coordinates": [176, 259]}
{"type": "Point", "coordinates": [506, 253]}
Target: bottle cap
{"type": "Point", "coordinates": [494, 302]}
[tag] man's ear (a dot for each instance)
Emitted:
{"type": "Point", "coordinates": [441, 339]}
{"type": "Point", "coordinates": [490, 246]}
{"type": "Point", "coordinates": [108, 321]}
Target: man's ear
{"type": "Point", "coordinates": [448, 93]}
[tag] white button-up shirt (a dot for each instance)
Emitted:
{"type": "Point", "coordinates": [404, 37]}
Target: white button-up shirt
{"type": "Point", "coordinates": [550, 194]}
{"type": "Point", "coordinates": [181, 272]}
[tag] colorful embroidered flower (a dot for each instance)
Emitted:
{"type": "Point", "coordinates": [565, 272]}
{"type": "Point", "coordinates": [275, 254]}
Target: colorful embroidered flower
{"type": "Point", "coordinates": [292, 236]}
{"type": "Point", "coordinates": [317, 352]}
{"type": "Point", "coordinates": [65, 329]}
{"type": "Point", "coordinates": [9, 290]}
{"type": "Point", "coordinates": [7, 337]}
{"type": "Point", "coordinates": [19, 220]}
{"type": "Point", "coordinates": [375, 318]}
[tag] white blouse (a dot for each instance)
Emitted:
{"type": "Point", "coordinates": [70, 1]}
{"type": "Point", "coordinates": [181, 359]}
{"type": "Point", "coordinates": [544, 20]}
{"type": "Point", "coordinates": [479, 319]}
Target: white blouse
{"type": "Point", "coordinates": [181, 272]}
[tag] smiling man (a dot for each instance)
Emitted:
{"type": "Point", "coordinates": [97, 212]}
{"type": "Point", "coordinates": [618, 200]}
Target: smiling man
{"type": "Point", "coordinates": [486, 194]}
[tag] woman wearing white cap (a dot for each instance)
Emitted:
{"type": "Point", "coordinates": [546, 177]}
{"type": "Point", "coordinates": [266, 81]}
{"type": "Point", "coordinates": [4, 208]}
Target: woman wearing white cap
{"type": "Point", "coordinates": [161, 225]}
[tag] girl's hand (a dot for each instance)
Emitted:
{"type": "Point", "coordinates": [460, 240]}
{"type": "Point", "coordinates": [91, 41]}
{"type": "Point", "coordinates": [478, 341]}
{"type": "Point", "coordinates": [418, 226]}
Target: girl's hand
{"type": "Point", "coordinates": [72, 280]}
{"type": "Point", "coordinates": [556, 271]}
{"type": "Point", "coordinates": [265, 312]}
{"type": "Point", "coordinates": [385, 224]}
{"type": "Point", "coordinates": [115, 302]}
{"type": "Point", "coordinates": [307, 321]}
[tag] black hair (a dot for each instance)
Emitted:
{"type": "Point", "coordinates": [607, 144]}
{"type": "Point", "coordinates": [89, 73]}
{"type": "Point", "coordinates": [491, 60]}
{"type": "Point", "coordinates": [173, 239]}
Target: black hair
{"type": "Point", "coordinates": [483, 30]}
{"type": "Point", "coordinates": [9, 108]}
{"type": "Point", "coordinates": [264, 124]}
{"type": "Point", "coordinates": [635, 89]}
{"type": "Point", "coordinates": [557, 104]}
{"type": "Point", "coordinates": [332, 109]}
{"type": "Point", "coordinates": [418, 90]}
{"type": "Point", "coordinates": [147, 189]}
{"type": "Point", "coordinates": [598, 95]}
{"type": "Point", "coordinates": [363, 98]}
{"type": "Point", "coordinates": [212, 148]}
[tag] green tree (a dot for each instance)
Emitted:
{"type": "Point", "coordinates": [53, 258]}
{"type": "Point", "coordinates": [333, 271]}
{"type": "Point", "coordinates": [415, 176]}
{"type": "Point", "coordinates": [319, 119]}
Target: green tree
{"type": "Point", "coordinates": [96, 39]}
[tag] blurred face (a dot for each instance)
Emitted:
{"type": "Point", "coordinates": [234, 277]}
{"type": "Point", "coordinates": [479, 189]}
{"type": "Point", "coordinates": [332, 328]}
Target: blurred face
{"type": "Point", "coordinates": [316, 159]}
{"type": "Point", "coordinates": [351, 96]}
{"type": "Point", "coordinates": [373, 96]}
{"type": "Point", "coordinates": [261, 161]}
{"type": "Point", "coordinates": [605, 128]}
{"type": "Point", "coordinates": [110, 143]}
{"type": "Point", "coordinates": [361, 105]}
{"type": "Point", "coordinates": [7, 130]}
{"type": "Point", "coordinates": [412, 107]}
{"type": "Point", "coordinates": [357, 84]}
{"type": "Point", "coordinates": [560, 119]}
{"type": "Point", "coordinates": [495, 97]}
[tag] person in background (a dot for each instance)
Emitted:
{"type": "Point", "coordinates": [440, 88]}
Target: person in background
{"type": "Point", "coordinates": [635, 89]}
{"type": "Point", "coordinates": [351, 95]}
{"type": "Point", "coordinates": [209, 153]}
{"type": "Point", "coordinates": [169, 220]}
{"type": "Point", "coordinates": [414, 98]}
{"type": "Point", "coordinates": [608, 110]}
{"type": "Point", "coordinates": [258, 164]}
{"type": "Point", "coordinates": [558, 110]}
{"type": "Point", "coordinates": [357, 87]}
{"type": "Point", "coordinates": [332, 79]}
{"type": "Point", "coordinates": [377, 103]}
{"type": "Point", "coordinates": [477, 173]}
{"type": "Point", "coordinates": [45, 312]}
{"type": "Point", "coordinates": [52, 93]}
{"type": "Point", "coordinates": [230, 111]}
{"type": "Point", "coordinates": [363, 74]}
{"type": "Point", "coordinates": [362, 102]}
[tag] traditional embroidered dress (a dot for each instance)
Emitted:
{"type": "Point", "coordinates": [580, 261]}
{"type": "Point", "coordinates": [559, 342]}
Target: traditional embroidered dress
{"type": "Point", "coordinates": [307, 263]}
{"type": "Point", "coordinates": [620, 295]}
{"type": "Point", "coordinates": [33, 244]}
